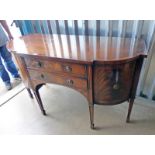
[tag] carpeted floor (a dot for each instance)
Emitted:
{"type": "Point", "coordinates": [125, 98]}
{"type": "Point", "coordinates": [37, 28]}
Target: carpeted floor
{"type": "Point", "coordinates": [68, 114]}
{"type": "Point", "coordinates": [6, 95]}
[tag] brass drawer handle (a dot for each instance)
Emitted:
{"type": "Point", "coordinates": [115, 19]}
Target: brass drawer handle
{"type": "Point", "coordinates": [42, 76]}
{"type": "Point", "coordinates": [67, 68]}
{"type": "Point", "coordinates": [116, 75]}
{"type": "Point", "coordinates": [70, 82]}
{"type": "Point", "coordinates": [116, 86]}
{"type": "Point", "coordinates": [40, 64]}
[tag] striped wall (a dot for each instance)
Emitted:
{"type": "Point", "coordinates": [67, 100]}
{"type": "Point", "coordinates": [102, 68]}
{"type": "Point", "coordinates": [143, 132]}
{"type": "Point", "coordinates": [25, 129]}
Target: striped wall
{"type": "Point", "coordinates": [123, 28]}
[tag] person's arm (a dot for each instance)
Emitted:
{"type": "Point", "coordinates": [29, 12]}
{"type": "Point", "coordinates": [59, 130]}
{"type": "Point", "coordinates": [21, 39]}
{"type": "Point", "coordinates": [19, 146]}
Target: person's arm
{"type": "Point", "coordinates": [5, 26]}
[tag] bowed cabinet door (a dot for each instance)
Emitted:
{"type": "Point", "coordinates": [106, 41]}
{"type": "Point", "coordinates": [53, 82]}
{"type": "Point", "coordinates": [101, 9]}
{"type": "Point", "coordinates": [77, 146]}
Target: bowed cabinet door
{"type": "Point", "coordinates": [113, 82]}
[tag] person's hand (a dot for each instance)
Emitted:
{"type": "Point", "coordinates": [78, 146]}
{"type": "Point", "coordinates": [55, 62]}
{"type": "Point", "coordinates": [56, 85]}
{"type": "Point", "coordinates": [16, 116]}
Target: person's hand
{"type": "Point", "coordinates": [10, 36]}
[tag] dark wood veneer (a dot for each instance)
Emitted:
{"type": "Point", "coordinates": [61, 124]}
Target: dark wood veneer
{"type": "Point", "coordinates": [112, 83]}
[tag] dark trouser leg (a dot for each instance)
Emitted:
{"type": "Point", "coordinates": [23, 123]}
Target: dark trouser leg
{"type": "Point", "coordinates": [6, 55]}
{"type": "Point", "coordinates": [91, 111]}
{"type": "Point", "coordinates": [4, 74]}
{"type": "Point", "coordinates": [37, 95]}
{"type": "Point", "coordinates": [129, 110]}
{"type": "Point", "coordinates": [30, 93]}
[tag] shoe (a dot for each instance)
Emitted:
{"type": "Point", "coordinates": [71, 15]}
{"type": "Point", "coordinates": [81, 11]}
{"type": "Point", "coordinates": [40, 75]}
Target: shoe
{"type": "Point", "coordinates": [8, 86]}
{"type": "Point", "coordinates": [18, 78]}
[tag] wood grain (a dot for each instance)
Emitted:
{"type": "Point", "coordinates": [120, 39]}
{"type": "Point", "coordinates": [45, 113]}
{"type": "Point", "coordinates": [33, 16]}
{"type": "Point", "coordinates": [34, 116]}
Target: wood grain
{"type": "Point", "coordinates": [105, 70]}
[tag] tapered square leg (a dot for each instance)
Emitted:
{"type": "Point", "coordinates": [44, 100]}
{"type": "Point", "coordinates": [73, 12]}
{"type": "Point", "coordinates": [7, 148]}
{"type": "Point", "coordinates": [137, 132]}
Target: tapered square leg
{"type": "Point", "coordinates": [37, 95]}
{"type": "Point", "coordinates": [91, 111]}
{"type": "Point", "coordinates": [30, 93]}
{"type": "Point", "coordinates": [131, 101]}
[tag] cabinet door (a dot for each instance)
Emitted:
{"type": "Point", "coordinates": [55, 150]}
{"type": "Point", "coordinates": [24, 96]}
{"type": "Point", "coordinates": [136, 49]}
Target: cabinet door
{"type": "Point", "coordinates": [112, 83]}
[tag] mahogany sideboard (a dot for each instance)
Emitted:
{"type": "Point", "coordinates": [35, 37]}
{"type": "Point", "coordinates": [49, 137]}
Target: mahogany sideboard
{"type": "Point", "coordinates": [105, 70]}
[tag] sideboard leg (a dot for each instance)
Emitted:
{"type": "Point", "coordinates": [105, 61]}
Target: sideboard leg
{"type": "Point", "coordinates": [30, 93]}
{"type": "Point", "coordinates": [91, 111]}
{"type": "Point", "coordinates": [129, 110]}
{"type": "Point", "coordinates": [37, 95]}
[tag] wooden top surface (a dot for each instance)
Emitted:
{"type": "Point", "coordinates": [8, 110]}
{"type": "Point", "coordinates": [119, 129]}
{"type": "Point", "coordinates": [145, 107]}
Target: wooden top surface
{"type": "Point", "coordinates": [80, 48]}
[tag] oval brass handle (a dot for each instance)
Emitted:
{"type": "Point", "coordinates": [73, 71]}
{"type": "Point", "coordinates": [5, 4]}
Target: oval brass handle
{"type": "Point", "coordinates": [116, 74]}
{"type": "Point", "coordinates": [70, 82]}
{"type": "Point", "coordinates": [116, 86]}
{"type": "Point", "coordinates": [39, 64]}
{"type": "Point", "coordinates": [67, 68]}
{"type": "Point", "coordinates": [42, 76]}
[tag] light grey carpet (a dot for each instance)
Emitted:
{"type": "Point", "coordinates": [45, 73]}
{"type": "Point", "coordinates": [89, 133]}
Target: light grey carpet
{"type": "Point", "coordinates": [67, 113]}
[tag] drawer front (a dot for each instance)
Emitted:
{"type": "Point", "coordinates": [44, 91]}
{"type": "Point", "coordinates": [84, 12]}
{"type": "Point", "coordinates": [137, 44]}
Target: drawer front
{"type": "Point", "coordinates": [112, 83]}
{"type": "Point", "coordinates": [53, 66]}
{"type": "Point", "coordinates": [62, 80]}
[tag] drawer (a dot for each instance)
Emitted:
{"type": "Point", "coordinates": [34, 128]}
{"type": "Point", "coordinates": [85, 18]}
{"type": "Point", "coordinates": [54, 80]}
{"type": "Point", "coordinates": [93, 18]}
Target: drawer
{"type": "Point", "coordinates": [62, 80]}
{"type": "Point", "coordinates": [53, 66]}
{"type": "Point", "coordinates": [112, 83]}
